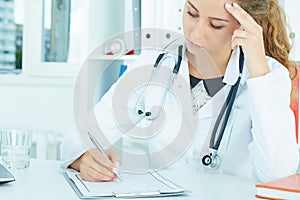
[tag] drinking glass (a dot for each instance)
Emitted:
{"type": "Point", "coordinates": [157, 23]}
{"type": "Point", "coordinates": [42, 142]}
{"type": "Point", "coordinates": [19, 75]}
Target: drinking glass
{"type": "Point", "coordinates": [15, 148]}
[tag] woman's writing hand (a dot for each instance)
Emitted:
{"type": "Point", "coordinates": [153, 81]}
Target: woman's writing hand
{"type": "Point", "coordinates": [94, 166]}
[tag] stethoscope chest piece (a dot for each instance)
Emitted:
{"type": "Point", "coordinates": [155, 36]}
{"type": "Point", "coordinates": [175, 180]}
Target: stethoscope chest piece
{"type": "Point", "coordinates": [211, 161]}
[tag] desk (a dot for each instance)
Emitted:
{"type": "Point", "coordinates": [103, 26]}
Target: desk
{"type": "Point", "coordinates": [43, 180]}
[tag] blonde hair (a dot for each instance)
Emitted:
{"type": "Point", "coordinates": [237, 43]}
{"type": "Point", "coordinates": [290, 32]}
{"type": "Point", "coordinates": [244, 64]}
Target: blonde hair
{"type": "Point", "coordinates": [271, 17]}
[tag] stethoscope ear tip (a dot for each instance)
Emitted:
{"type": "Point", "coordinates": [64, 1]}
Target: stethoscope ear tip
{"type": "Point", "coordinates": [148, 114]}
{"type": "Point", "coordinates": [140, 112]}
{"type": "Point", "coordinates": [144, 114]}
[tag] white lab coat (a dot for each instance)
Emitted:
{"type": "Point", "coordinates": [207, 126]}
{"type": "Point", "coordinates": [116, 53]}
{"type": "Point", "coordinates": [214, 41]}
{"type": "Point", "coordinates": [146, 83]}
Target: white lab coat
{"type": "Point", "coordinates": [259, 139]}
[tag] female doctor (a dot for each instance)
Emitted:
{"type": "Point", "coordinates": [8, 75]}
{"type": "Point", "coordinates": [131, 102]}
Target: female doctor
{"type": "Point", "coordinates": [261, 126]}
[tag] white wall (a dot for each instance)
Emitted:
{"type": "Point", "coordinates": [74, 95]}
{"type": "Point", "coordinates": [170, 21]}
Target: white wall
{"type": "Point", "coordinates": [292, 9]}
{"type": "Point", "coordinates": [164, 14]}
{"type": "Point", "coordinates": [44, 106]}
{"type": "Point", "coordinates": [45, 103]}
{"type": "Point", "coordinates": [36, 103]}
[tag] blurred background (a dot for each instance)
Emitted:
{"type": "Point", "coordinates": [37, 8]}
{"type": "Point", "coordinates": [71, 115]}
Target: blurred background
{"type": "Point", "coordinates": [43, 43]}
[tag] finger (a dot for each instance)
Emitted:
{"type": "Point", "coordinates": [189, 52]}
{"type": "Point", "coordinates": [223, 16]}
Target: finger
{"type": "Point", "coordinates": [92, 167]}
{"type": "Point", "coordinates": [103, 170]}
{"type": "Point", "coordinates": [238, 42]}
{"type": "Point", "coordinates": [98, 162]}
{"type": "Point", "coordinates": [86, 177]}
{"type": "Point", "coordinates": [240, 15]}
{"type": "Point", "coordinates": [240, 34]}
{"type": "Point", "coordinates": [238, 38]}
{"type": "Point", "coordinates": [113, 156]}
{"type": "Point", "coordinates": [101, 174]}
{"type": "Point", "coordinates": [95, 177]}
{"type": "Point", "coordinates": [97, 173]}
{"type": "Point", "coordinates": [102, 159]}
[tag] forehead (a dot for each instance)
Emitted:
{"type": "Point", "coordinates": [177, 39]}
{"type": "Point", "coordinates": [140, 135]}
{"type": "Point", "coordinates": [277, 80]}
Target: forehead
{"type": "Point", "coordinates": [211, 8]}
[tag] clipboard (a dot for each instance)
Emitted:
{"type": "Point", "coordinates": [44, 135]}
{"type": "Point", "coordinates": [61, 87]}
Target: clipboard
{"type": "Point", "coordinates": [162, 187]}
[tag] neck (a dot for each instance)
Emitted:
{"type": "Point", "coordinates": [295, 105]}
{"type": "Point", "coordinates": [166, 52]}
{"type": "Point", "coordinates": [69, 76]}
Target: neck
{"type": "Point", "coordinates": [207, 67]}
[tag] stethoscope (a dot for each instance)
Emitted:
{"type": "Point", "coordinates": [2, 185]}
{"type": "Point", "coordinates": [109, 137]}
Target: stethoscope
{"type": "Point", "coordinates": [163, 56]}
{"type": "Point", "coordinates": [212, 160]}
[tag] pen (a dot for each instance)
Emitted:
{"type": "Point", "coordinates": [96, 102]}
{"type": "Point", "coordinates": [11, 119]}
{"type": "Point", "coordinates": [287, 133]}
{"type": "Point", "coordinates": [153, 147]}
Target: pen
{"type": "Point", "coordinates": [99, 147]}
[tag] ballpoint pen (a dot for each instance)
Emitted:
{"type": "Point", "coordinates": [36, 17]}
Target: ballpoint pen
{"type": "Point", "coordinates": [99, 147]}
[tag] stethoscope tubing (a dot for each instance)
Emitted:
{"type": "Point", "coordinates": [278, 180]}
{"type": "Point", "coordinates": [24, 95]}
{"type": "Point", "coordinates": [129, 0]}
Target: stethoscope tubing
{"type": "Point", "coordinates": [211, 160]}
{"type": "Point", "coordinates": [156, 66]}
{"type": "Point", "coordinates": [227, 106]}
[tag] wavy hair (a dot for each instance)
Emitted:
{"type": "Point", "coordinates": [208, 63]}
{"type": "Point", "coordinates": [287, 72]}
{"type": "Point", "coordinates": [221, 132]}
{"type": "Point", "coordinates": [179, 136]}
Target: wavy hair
{"type": "Point", "coordinates": [271, 17]}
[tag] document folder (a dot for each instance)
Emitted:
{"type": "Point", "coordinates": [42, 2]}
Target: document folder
{"type": "Point", "coordinates": [150, 184]}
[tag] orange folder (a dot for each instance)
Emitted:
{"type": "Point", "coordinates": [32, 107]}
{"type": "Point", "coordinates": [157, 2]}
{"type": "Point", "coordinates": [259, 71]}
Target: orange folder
{"type": "Point", "coordinates": [283, 188]}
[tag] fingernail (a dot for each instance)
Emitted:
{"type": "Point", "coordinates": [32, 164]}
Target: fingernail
{"type": "Point", "coordinates": [235, 5]}
{"type": "Point", "coordinates": [227, 5]}
{"type": "Point", "coordinates": [115, 170]}
{"type": "Point", "coordinates": [117, 164]}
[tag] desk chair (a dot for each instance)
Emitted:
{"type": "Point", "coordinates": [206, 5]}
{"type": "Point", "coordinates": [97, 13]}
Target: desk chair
{"type": "Point", "coordinates": [295, 99]}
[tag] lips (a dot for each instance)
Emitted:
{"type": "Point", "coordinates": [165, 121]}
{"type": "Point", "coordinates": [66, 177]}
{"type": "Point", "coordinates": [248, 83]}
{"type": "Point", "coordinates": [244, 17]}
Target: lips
{"type": "Point", "coordinates": [194, 45]}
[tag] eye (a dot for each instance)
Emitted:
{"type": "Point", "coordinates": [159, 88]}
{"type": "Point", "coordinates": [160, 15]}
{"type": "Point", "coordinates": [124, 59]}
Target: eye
{"type": "Point", "coordinates": [216, 26]}
{"type": "Point", "coordinates": [192, 14]}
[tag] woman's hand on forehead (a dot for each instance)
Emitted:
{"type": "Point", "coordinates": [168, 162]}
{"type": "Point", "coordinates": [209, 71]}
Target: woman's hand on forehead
{"type": "Point", "coordinates": [250, 37]}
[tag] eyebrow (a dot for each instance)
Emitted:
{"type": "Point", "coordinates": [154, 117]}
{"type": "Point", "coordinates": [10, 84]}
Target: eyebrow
{"type": "Point", "coordinates": [193, 6]}
{"type": "Point", "coordinates": [213, 18]}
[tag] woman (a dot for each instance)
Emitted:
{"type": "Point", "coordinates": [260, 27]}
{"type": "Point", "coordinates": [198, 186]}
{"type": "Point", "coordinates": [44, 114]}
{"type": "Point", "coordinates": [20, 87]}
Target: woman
{"type": "Point", "coordinates": [261, 131]}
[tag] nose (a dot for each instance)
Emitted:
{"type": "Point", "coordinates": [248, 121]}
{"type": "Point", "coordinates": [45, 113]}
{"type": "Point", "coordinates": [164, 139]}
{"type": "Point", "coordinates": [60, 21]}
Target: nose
{"type": "Point", "coordinates": [198, 31]}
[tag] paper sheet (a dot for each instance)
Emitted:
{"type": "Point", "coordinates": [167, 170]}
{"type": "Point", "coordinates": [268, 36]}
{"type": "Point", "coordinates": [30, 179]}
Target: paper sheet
{"type": "Point", "coordinates": [147, 182]}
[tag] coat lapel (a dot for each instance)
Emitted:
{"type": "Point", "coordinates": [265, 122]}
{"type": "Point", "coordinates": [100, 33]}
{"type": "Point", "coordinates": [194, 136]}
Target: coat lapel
{"type": "Point", "coordinates": [212, 107]}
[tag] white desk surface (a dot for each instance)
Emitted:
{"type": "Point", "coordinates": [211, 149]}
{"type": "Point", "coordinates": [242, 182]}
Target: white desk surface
{"type": "Point", "coordinates": [43, 180]}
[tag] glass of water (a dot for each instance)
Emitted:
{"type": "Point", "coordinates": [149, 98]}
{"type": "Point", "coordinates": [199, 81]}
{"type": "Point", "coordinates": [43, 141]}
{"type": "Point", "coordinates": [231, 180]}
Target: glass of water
{"type": "Point", "coordinates": [15, 148]}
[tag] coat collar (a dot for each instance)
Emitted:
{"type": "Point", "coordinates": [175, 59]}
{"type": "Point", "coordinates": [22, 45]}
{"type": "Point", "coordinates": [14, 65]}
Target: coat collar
{"type": "Point", "coordinates": [232, 71]}
{"type": "Point", "coordinates": [212, 107]}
